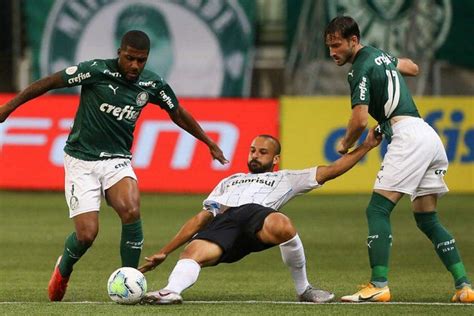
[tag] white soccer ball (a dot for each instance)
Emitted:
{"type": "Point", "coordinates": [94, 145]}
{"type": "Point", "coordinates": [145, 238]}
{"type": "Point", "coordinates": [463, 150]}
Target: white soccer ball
{"type": "Point", "coordinates": [126, 286]}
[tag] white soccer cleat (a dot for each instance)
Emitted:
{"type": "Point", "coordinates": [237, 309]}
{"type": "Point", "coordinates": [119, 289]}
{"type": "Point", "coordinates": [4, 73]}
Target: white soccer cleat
{"type": "Point", "coordinates": [313, 295]}
{"type": "Point", "coordinates": [162, 297]}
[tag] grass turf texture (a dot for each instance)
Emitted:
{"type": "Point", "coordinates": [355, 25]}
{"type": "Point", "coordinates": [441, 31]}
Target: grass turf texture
{"type": "Point", "coordinates": [333, 230]}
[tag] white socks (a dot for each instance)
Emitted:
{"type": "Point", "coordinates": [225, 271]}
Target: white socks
{"type": "Point", "coordinates": [186, 271]}
{"type": "Point", "coordinates": [184, 275]}
{"type": "Point", "coordinates": [292, 253]}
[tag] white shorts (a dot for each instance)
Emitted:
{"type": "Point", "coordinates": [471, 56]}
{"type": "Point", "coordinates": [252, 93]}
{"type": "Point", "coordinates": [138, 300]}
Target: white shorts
{"type": "Point", "coordinates": [415, 162]}
{"type": "Point", "coordinates": [86, 181]}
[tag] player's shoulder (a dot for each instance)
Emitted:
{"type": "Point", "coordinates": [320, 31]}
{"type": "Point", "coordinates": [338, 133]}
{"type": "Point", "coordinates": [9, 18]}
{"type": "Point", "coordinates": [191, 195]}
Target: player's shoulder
{"type": "Point", "coordinates": [368, 59]}
{"type": "Point", "coordinates": [95, 67]}
{"type": "Point", "coordinates": [95, 63]}
{"type": "Point", "coordinates": [150, 78]}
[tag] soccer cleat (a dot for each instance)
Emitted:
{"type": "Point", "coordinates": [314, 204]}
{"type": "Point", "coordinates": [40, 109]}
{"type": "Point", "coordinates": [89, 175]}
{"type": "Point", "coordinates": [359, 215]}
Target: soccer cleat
{"type": "Point", "coordinates": [463, 295]}
{"type": "Point", "coordinates": [57, 284]}
{"type": "Point", "coordinates": [369, 293]}
{"type": "Point", "coordinates": [315, 295]}
{"type": "Point", "coordinates": [162, 297]}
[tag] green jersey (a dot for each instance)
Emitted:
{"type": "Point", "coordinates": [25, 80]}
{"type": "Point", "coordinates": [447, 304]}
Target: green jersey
{"type": "Point", "coordinates": [109, 108]}
{"type": "Point", "coordinates": [375, 81]}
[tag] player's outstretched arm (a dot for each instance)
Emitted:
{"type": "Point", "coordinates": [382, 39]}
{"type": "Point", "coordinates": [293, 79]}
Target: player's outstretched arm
{"type": "Point", "coordinates": [346, 162]}
{"type": "Point", "coordinates": [187, 231]}
{"type": "Point", "coordinates": [355, 128]}
{"type": "Point", "coordinates": [183, 119]}
{"type": "Point", "coordinates": [407, 67]}
{"type": "Point", "coordinates": [34, 90]}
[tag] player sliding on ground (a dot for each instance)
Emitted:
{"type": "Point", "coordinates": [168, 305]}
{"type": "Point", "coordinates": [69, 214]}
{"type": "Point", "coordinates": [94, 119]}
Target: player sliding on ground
{"type": "Point", "coordinates": [241, 216]}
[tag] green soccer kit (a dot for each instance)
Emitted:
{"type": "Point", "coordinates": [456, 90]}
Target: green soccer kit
{"type": "Point", "coordinates": [375, 81]}
{"type": "Point", "coordinates": [109, 108]}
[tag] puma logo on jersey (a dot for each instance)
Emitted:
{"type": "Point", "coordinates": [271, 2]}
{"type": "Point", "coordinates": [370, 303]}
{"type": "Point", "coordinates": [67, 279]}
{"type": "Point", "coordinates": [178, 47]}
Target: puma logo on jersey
{"type": "Point", "coordinates": [351, 73]}
{"type": "Point", "coordinates": [113, 89]}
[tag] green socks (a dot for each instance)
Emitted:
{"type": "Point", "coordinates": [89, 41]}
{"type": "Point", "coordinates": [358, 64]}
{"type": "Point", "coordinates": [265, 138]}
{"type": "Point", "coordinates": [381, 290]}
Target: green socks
{"type": "Point", "coordinates": [131, 244]}
{"type": "Point", "coordinates": [73, 251]}
{"type": "Point", "coordinates": [445, 245]}
{"type": "Point", "coordinates": [379, 240]}
{"type": "Point", "coordinates": [130, 248]}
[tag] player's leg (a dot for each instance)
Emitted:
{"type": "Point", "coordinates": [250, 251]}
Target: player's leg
{"type": "Point", "coordinates": [82, 191]}
{"type": "Point", "coordinates": [379, 240]}
{"type": "Point", "coordinates": [124, 198]}
{"type": "Point", "coordinates": [199, 253]}
{"type": "Point", "coordinates": [424, 202]}
{"type": "Point", "coordinates": [86, 230]}
{"type": "Point", "coordinates": [278, 229]}
{"type": "Point", "coordinates": [206, 249]}
{"type": "Point", "coordinates": [444, 243]}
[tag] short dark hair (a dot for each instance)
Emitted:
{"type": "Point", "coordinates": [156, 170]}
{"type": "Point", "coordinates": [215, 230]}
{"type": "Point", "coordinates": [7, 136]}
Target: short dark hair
{"type": "Point", "coordinates": [136, 39]}
{"type": "Point", "coordinates": [275, 141]}
{"type": "Point", "coordinates": [344, 25]}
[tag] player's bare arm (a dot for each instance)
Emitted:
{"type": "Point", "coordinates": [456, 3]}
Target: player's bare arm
{"type": "Point", "coordinates": [355, 128]}
{"type": "Point", "coordinates": [346, 162]}
{"type": "Point", "coordinates": [407, 67]}
{"type": "Point", "coordinates": [184, 120]}
{"type": "Point", "coordinates": [187, 231]}
{"type": "Point", "coordinates": [34, 90]}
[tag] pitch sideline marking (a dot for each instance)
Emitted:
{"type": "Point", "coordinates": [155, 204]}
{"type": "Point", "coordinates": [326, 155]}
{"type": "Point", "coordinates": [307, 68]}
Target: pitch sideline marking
{"type": "Point", "coordinates": [262, 302]}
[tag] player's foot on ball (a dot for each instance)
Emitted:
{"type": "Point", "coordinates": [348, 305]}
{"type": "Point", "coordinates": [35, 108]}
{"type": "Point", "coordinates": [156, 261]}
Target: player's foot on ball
{"type": "Point", "coordinates": [162, 297]}
{"type": "Point", "coordinates": [315, 295]}
{"type": "Point", "coordinates": [57, 284]}
{"type": "Point", "coordinates": [369, 293]}
{"type": "Point", "coordinates": [463, 295]}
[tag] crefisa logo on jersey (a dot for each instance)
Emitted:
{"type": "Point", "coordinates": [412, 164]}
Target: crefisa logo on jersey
{"type": "Point", "coordinates": [218, 32]}
{"type": "Point", "coordinates": [142, 98]}
{"type": "Point", "coordinates": [398, 26]}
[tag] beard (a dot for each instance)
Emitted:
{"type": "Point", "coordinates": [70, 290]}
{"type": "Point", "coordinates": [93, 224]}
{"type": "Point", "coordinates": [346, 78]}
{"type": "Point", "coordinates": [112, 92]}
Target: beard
{"type": "Point", "coordinates": [257, 167]}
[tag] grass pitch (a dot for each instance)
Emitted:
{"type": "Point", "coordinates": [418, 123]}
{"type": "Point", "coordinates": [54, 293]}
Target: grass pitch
{"type": "Point", "coordinates": [333, 229]}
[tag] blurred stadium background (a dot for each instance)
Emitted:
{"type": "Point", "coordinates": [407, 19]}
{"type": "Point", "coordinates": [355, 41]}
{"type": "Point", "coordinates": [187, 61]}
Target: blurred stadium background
{"type": "Point", "coordinates": [242, 67]}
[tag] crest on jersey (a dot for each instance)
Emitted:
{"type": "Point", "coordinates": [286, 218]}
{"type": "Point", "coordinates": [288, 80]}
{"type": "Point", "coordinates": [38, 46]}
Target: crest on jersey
{"type": "Point", "coordinates": [142, 98]}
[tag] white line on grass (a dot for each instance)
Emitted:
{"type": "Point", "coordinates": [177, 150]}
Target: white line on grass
{"type": "Point", "coordinates": [262, 302]}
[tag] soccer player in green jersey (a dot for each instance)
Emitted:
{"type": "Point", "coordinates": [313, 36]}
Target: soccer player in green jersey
{"type": "Point", "coordinates": [97, 152]}
{"type": "Point", "coordinates": [414, 164]}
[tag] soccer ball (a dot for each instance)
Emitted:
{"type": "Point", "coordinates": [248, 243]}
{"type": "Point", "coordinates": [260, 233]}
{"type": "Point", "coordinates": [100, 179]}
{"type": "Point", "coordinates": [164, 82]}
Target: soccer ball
{"type": "Point", "coordinates": [126, 286]}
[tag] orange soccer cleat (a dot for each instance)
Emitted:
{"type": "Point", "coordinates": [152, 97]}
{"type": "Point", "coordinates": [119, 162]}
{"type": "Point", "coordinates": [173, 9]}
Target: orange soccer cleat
{"type": "Point", "coordinates": [369, 293]}
{"type": "Point", "coordinates": [463, 295]}
{"type": "Point", "coordinates": [57, 284]}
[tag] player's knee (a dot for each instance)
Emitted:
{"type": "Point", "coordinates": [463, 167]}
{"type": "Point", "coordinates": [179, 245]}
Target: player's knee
{"type": "Point", "coordinates": [202, 251]}
{"type": "Point", "coordinates": [86, 238]}
{"type": "Point", "coordinates": [279, 227]}
{"type": "Point", "coordinates": [129, 214]}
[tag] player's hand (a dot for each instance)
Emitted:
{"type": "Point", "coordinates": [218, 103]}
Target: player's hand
{"type": "Point", "coordinates": [374, 137]}
{"type": "Point", "coordinates": [217, 153]}
{"type": "Point", "coordinates": [341, 148]}
{"type": "Point", "coordinates": [152, 262]}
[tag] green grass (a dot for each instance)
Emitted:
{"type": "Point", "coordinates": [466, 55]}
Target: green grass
{"type": "Point", "coordinates": [333, 230]}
